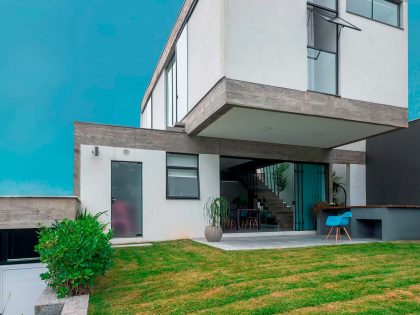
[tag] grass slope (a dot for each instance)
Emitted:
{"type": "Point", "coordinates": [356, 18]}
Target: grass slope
{"type": "Point", "coordinates": [185, 277]}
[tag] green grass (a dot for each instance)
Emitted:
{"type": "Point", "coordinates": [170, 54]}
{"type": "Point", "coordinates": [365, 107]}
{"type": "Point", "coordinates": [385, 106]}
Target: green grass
{"type": "Point", "coordinates": [185, 277]}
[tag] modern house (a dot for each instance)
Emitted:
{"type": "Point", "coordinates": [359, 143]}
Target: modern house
{"type": "Point", "coordinates": [246, 92]}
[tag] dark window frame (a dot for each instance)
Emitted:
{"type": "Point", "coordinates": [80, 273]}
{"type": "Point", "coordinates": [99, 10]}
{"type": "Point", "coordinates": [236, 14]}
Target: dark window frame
{"type": "Point", "coordinates": [182, 168]}
{"type": "Point", "coordinates": [141, 192]}
{"type": "Point", "coordinates": [337, 48]}
{"type": "Point", "coordinates": [397, 3]}
{"type": "Point", "coordinates": [315, 5]}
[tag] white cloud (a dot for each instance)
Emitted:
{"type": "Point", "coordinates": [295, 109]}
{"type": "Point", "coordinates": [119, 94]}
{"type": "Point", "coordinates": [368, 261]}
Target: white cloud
{"type": "Point", "coordinates": [31, 188]}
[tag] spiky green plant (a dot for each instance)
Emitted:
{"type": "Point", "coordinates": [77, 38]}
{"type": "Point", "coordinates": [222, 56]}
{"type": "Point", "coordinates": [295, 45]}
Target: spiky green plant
{"type": "Point", "coordinates": [216, 211]}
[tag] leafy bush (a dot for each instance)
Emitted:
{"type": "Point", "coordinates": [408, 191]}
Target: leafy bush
{"type": "Point", "coordinates": [76, 252]}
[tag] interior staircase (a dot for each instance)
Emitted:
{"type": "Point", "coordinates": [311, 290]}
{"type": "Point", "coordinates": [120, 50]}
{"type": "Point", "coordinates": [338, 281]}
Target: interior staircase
{"type": "Point", "coordinates": [275, 205]}
{"type": "Point", "coordinates": [269, 200]}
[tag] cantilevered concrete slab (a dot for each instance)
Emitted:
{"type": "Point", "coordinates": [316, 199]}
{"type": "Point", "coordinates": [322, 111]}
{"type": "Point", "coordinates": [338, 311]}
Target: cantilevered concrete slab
{"type": "Point", "coordinates": [248, 111]}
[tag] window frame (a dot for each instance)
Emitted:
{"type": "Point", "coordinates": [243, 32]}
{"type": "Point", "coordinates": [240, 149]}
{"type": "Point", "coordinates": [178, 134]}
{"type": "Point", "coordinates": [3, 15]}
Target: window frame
{"type": "Point", "coordinates": [197, 168]}
{"type": "Point", "coordinates": [6, 238]}
{"type": "Point", "coordinates": [337, 47]}
{"type": "Point", "coordinates": [397, 3]}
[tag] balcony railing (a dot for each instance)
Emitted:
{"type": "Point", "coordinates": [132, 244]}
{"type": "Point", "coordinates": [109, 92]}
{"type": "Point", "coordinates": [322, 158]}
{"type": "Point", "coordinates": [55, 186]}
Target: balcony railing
{"type": "Point", "coordinates": [322, 71]}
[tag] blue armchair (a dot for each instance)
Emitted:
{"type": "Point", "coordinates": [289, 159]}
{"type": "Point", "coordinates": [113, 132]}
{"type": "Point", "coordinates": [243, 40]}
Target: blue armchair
{"type": "Point", "coordinates": [339, 222]}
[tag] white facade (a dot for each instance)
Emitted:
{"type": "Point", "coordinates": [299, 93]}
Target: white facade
{"type": "Point", "coordinates": [158, 96]}
{"type": "Point", "coordinates": [266, 43]}
{"type": "Point", "coordinates": [205, 66]}
{"type": "Point", "coordinates": [374, 62]}
{"type": "Point", "coordinates": [163, 219]}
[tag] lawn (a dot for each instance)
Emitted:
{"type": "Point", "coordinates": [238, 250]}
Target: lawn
{"type": "Point", "coordinates": [185, 277]}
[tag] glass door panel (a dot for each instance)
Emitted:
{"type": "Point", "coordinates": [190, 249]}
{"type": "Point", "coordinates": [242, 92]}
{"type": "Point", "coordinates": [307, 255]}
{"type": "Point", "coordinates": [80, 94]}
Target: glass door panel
{"type": "Point", "coordinates": [309, 190]}
{"type": "Point", "coordinates": [126, 199]}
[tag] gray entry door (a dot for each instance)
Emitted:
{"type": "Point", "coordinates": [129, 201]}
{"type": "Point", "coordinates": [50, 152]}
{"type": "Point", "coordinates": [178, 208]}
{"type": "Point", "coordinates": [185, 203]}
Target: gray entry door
{"type": "Point", "coordinates": [126, 199]}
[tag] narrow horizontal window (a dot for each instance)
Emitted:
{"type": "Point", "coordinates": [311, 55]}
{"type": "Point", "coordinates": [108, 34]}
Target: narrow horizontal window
{"type": "Point", "coordinates": [385, 11]}
{"type": "Point", "coordinates": [182, 176]}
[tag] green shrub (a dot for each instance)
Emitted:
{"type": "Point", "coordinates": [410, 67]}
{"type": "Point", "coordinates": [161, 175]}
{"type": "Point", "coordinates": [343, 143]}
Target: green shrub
{"type": "Point", "coordinates": [75, 252]}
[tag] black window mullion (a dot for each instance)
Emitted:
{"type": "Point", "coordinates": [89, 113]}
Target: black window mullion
{"type": "Point", "coordinates": [189, 168]}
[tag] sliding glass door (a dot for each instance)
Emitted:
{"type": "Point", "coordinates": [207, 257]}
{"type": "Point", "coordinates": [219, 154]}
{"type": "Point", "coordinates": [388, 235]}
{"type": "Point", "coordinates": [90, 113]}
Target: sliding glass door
{"type": "Point", "coordinates": [126, 199]}
{"type": "Point", "coordinates": [310, 188]}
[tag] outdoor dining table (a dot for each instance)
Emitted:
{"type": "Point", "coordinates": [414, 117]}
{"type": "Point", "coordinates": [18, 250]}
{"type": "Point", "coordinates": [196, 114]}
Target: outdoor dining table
{"type": "Point", "coordinates": [238, 211]}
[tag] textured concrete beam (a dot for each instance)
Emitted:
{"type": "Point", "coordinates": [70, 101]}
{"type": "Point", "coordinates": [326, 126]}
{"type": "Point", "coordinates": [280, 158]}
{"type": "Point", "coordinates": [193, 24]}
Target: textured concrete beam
{"type": "Point", "coordinates": [30, 212]}
{"type": "Point", "coordinates": [180, 142]}
{"type": "Point", "coordinates": [228, 93]}
{"type": "Point", "coordinates": [348, 157]}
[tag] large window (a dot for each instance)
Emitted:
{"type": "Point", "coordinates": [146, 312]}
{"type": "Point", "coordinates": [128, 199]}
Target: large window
{"type": "Point", "coordinates": [182, 176]}
{"type": "Point", "coordinates": [385, 11]}
{"type": "Point", "coordinates": [322, 51]}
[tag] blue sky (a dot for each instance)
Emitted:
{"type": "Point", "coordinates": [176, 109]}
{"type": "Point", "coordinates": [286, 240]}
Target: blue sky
{"type": "Point", "coordinates": [87, 60]}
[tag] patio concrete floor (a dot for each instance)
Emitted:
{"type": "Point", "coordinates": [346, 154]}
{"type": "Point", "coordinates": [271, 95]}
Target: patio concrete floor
{"type": "Point", "coordinates": [279, 242]}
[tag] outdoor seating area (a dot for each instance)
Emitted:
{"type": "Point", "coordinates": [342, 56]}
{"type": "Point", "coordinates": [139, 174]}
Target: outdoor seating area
{"type": "Point", "coordinates": [243, 219]}
{"type": "Point", "coordinates": [381, 222]}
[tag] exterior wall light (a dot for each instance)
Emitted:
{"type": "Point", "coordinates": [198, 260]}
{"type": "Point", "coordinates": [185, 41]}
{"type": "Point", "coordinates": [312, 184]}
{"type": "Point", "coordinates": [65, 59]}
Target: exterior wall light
{"type": "Point", "coordinates": [95, 151]}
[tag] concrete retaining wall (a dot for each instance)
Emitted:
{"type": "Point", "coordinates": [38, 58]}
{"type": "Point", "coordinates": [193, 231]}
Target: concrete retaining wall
{"type": "Point", "coordinates": [30, 212]}
{"type": "Point", "coordinates": [49, 304]}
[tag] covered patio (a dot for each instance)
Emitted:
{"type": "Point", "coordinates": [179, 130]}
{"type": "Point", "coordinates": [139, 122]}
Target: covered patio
{"type": "Point", "coordinates": [278, 241]}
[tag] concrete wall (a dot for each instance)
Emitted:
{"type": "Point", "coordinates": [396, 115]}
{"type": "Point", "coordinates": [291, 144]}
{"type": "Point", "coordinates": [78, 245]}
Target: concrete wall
{"type": "Point", "coordinates": [162, 219]}
{"type": "Point", "coordinates": [374, 62]}
{"type": "Point", "coordinates": [359, 146]}
{"type": "Point", "coordinates": [29, 212]}
{"type": "Point", "coordinates": [393, 168]}
{"type": "Point", "coordinates": [204, 49]}
{"type": "Point", "coordinates": [266, 42]}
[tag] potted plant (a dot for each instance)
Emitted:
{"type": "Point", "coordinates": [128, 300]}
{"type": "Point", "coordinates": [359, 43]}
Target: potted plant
{"type": "Point", "coordinates": [216, 212]}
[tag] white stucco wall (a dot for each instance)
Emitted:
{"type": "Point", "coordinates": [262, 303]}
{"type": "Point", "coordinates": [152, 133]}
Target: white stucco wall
{"type": "Point", "coordinates": [204, 49]}
{"type": "Point", "coordinates": [159, 105]}
{"type": "Point", "coordinates": [162, 219]}
{"type": "Point", "coordinates": [374, 62]}
{"type": "Point", "coordinates": [266, 42]}
{"type": "Point", "coordinates": [356, 184]}
{"type": "Point", "coordinates": [146, 116]}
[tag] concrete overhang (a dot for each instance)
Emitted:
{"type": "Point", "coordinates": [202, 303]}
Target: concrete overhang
{"type": "Point", "coordinates": [248, 111]}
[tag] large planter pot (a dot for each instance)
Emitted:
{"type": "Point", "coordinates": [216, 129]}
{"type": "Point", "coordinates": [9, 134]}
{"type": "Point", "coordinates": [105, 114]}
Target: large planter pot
{"type": "Point", "coordinates": [213, 233]}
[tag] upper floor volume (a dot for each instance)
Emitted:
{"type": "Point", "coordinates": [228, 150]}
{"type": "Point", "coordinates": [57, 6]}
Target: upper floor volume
{"type": "Point", "coordinates": [318, 73]}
